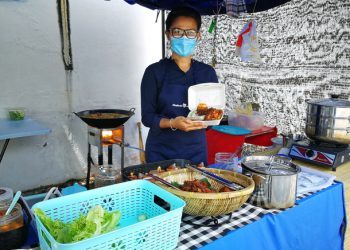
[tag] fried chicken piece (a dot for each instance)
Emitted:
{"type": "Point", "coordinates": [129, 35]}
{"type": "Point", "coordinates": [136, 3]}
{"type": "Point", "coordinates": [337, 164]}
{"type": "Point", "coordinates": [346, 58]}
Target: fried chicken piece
{"type": "Point", "coordinates": [202, 109]}
{"type": "Point", "coordinates": [213, 114]}
{"type": "Point", "coordinates": [225, 189]}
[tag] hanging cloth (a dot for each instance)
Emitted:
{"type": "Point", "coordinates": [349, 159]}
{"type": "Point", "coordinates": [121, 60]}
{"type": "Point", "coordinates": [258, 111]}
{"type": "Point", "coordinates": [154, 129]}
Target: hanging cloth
{"type": "Point", "coordinates": [235, 7]}
{"type": "Point", "coordinates": [247, 45]}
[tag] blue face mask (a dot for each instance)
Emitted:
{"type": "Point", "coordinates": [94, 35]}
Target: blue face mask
{"type": "Point", "coordinates": [183, 46]}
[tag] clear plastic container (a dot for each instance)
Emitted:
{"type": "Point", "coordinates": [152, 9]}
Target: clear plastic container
{"type": "Point", "coordinates": [107, 175]}
{"type": "Point", "coordinates": [251, 122]}
{"type": "Point", "coordinates": [16, 113]}
{"type": "Point", "coordinates": [12, 221]}
{"type": "Point", "coordinates": [226, 161]}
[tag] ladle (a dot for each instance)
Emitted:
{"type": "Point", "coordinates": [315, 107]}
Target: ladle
{"type": "Point", "coordinates": [13, 203]}
{"type": "Point", "coordinates": [235, 154]}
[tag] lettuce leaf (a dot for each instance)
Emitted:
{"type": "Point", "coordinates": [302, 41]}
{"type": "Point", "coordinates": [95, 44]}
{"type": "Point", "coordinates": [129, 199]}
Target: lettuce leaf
{"type": "Point", "coordinates": [96, 222]}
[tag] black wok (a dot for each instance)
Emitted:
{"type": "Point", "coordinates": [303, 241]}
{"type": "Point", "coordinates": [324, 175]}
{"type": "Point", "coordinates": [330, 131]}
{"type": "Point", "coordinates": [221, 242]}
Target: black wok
{"type": "Point", "coordinates": [105, 118]}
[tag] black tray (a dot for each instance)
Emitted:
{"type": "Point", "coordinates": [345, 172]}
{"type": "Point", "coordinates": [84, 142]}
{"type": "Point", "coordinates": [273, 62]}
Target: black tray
{"type": "Point", "coordinates": [145, 168]}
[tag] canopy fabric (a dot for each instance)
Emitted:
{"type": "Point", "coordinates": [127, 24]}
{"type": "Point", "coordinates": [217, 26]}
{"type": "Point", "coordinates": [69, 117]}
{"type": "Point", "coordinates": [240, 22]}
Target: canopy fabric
{"type": "Point", "coordinates": [207, 7]}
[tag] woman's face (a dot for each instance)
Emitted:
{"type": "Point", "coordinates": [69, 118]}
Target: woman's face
{"type": "Point", "coordinates": [184, 23]}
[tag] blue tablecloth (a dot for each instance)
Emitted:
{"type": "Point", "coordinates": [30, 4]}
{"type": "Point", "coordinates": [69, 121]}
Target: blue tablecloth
{"type": "Point", "coordinates": [317, 222]}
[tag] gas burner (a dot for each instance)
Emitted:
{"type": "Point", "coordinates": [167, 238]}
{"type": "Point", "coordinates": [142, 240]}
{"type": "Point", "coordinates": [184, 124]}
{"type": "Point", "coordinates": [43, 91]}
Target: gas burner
{"type": "Point", "coordinates": [104, 137]}
{"type": "Point", "coordinates": [320, 153]}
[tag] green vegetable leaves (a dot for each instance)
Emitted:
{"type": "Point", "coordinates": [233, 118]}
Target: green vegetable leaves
{"type": "Point", "coordinates": [96, 222]}
{"type": "Point", "coordinates": [206, 181]}
{"type": "Point", "coordinates": [16, 115]}
{"type": "Point", "coordinates": [176, 184]}
{"type": "Point", "coordinates": [141, 217]}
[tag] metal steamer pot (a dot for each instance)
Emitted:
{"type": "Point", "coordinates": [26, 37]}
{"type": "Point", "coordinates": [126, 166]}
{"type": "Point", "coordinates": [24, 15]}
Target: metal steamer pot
{"type": "Point", "coordinates": [328, 120]}
{"type": "Point", "coordinates": [275, 180]}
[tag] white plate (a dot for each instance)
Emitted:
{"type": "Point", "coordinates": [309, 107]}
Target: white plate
{"type": "Point", "coordinates": [211, 122]}
{"type": "Point", "coordinates": [194, 117]}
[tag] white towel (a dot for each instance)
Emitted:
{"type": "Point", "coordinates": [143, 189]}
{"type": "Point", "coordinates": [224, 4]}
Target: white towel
{"type": "Point", "coordinates": [310, 180]}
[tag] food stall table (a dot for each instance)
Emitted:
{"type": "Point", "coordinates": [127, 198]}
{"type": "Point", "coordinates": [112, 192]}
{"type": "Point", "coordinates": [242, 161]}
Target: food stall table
{"type": "Point", "coordinates": [16, 129]}
{"type": "Point", "coordinates": [221, 142]}
{"type": "Point", "coordinates": [317, 221]}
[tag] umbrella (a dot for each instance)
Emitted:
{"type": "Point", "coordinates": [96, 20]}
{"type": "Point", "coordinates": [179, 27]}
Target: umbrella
{"type": "Point", "coordinates": [208, 7]}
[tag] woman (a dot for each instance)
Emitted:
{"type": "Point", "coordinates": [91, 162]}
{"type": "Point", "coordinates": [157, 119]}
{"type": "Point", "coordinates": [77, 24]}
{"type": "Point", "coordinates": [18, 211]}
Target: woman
{"type": "Point", "coordinates": [164, 94]}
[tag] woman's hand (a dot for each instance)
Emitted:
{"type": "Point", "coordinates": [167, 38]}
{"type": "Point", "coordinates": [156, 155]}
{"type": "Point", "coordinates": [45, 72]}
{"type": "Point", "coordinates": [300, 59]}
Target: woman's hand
{"type": "Point", "coordinates": [185, 124]}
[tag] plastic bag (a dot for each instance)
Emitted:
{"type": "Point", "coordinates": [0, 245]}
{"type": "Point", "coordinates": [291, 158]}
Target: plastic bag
{"type": "Point", "coordinates": [247, 45]}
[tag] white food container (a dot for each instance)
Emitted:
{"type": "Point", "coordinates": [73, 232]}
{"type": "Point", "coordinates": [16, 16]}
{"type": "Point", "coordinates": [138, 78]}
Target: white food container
{"type": "Point", "coordinates": [212, 94]}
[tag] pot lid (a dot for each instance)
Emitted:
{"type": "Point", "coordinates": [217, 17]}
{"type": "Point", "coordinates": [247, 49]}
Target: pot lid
{"type": "Point", "coordinates": [263, 165]}
{"type": "Point", "coordinates": [332, 102]}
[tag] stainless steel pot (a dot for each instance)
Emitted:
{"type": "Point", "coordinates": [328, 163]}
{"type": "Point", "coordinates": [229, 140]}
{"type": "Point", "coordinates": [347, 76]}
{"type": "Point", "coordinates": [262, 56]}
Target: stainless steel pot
{"type": "Point", "coordinates": [275, 181]}
{"type": "Point", "coordinates": [328, 120]}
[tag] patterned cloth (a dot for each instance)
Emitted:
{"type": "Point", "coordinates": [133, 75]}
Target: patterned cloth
{"type": "Point", "coordinates": [193, 237]}
{"type": "Point", "coordinates": [235, 7]}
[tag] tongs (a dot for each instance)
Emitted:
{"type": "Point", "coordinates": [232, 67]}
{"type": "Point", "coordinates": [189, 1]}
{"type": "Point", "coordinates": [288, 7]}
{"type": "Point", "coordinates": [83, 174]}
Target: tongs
{"type": "Point", "coordinates": [162, 181]}
{"type": "Point", "coordinates": [215, 177]}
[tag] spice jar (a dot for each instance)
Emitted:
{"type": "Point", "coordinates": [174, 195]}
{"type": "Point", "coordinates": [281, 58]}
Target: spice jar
{"type": "Point", "coordinates": [12, 221]}
{"type": "Point", "coordinates": [226, 161]}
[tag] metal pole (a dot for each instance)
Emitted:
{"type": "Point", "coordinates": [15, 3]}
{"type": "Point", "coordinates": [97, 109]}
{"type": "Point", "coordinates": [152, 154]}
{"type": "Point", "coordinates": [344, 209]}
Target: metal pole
{"type": "Point", "coordinates": [110, 154]}
{"type": "Point", "coordinates": [122, 152]}
{"type": "Point", "coordinates": [88, 167]}
{"type": "Point", "coordinates": [100, 153]}
{"type": "Point", "coordinates": [4, 149]}
{"type": "Point", "coordinates": [163, 33]}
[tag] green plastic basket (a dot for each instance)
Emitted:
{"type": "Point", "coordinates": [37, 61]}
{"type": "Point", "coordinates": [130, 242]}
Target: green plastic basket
{"type": "Point", "coordinates": [159, 231]}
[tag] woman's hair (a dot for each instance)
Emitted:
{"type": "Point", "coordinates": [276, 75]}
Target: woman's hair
{"type": "Point", "coordinates": [183, 11]}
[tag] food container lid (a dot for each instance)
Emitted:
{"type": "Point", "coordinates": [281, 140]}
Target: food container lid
{"type": "Point", "coordinates": [261, 165]}
{"type": "Point", "coordinates": [6, 195]}
{"type": "Point", "coordinates": [212, 94]}
{"type": "Point", "coordinates": [331, 102]}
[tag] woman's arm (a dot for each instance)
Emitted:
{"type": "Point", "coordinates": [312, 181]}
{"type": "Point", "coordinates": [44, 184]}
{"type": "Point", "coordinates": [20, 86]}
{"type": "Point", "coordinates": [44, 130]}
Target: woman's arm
{"type": "Point", "coordinates": [181, 123]}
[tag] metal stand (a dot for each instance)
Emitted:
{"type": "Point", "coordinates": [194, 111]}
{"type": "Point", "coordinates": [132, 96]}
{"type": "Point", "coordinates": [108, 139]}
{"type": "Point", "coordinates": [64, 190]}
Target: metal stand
{"type": "Point", "coordinates": [211, 221]}
{"type": "Point", "coordinates": [89, 160]}
{"type": "Point", "coordinates": [100, 154]}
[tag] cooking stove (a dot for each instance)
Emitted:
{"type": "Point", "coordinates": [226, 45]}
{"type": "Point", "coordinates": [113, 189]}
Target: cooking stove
{"type": "Point", "coordinates": [104, 137]}
{"type": "Point", "coordinates": [320, 153]}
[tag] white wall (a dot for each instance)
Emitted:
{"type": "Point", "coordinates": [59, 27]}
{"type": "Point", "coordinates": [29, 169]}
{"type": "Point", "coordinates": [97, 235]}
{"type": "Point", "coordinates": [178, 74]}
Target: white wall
{"type": "Point", "coordinates": [112, 43]}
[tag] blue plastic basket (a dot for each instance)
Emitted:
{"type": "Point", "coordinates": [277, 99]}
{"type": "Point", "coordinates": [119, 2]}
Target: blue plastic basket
{"type": "Point", "coordinates": [159, 231]}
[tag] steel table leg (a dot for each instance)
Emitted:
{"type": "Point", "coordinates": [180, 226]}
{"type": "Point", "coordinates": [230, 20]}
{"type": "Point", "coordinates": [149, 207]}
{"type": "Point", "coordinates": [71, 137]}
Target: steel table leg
{"type": "Point", "coordinates": [110, 154]}
{"type": "Point", "coordinates": [4, 149]}
{"type": "Point", "coordinates": [88, 167]}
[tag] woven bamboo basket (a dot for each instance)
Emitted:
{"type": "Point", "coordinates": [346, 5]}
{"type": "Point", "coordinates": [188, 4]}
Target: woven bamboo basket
{"type": "Point", "coordinates": [210, 204]}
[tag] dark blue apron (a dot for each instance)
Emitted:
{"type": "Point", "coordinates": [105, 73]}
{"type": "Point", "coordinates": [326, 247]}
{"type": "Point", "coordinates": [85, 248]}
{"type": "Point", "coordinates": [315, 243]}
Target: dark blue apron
{"type": "Point", "coordinates": [165, 144]}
